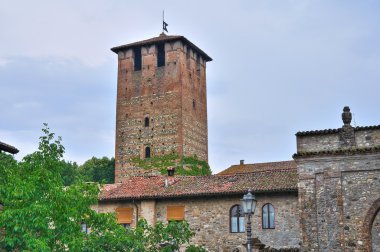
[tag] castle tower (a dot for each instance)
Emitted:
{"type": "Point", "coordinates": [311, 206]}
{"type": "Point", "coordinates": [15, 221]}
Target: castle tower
{"type": "Point", "coordinates": [161, 100]}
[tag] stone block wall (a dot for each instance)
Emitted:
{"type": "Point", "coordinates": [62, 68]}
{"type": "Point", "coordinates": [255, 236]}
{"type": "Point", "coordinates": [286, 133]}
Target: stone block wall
{"type": "Point", "coordinates": [209, 218]}
{"type": "Point", "coordinates": [339, 187]}
{"type": "Point", "coordinates": [173, 97]}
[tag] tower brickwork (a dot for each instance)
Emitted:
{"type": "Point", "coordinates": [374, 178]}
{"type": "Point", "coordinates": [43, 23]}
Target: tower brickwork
{"type": "Point", "coordinates": [161, 101]}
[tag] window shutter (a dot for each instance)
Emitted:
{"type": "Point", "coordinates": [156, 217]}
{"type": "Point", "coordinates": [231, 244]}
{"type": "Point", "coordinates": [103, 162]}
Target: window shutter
{"type": "Point", "coordinates": [175, 213]}
{"type": "Point", "coordinates": [124, 214]}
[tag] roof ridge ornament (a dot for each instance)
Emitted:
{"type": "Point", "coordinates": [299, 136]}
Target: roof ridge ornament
{"type": "Point", "coordinates": [347, 132]}
{"type": "Point", "coordinates": [346, 116]}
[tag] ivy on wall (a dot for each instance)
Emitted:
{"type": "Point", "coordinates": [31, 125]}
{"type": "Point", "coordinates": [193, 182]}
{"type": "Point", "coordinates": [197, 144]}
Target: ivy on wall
{"type": "Point", "coordinates": [189, 166]}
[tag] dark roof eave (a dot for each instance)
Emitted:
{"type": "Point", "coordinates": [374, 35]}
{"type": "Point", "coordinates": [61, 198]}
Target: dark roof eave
{"type": "Point", "coordinates": [199, 195]}
{"type": "Point", "coordinates": [333, 131]}
{"type": "Point", "coordinates": [351, 151]}
{"type": "Point", "coordinates": [8, 148]}
{"type": "Point", "coordinates": [182, 38]}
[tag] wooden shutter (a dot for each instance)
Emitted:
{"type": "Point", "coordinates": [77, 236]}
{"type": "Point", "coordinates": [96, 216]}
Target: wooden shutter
{"type": "Point", "coordinates": [175, 213]}
{"type": "Point", "coordinates": [124, 215]}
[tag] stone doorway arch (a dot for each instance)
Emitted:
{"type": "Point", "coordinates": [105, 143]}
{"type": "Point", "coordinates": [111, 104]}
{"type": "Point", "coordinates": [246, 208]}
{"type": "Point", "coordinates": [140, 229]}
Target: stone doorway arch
{"type": "Point", "coordinates": [371, 227]}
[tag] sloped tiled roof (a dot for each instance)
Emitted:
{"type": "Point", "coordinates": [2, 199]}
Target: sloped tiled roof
{"type": "Point", "coordinates": [270, 166]}
{"type": "Point", "coordinates": [162, 38]}
{"type": "Point", "coordinates": [8, 148]}
{"type": "Point", "coordinates": [197, 186]}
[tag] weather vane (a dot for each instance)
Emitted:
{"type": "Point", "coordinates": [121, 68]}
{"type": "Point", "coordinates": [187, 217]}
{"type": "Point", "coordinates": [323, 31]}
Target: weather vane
{"type": "Point", "coordinates": [164, 24]}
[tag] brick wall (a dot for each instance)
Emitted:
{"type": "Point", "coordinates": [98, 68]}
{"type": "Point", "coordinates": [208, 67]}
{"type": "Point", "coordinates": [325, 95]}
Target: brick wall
{"type": "Point", "coordinates": [173, 97]}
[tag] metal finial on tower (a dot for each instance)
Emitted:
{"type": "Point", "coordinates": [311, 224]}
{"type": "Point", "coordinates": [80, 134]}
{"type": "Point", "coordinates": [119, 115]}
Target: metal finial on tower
{"type": "Point", "coordinates": [164, 24]}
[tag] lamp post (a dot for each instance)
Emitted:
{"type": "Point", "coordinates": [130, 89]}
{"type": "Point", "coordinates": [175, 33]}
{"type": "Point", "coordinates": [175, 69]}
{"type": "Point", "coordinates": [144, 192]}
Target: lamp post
{"type": "Point", "coordinates": [249, 205]}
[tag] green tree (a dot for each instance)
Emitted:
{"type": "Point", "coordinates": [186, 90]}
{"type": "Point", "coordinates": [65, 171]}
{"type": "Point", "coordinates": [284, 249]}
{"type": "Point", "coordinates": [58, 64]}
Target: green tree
{"type": "Point", "coordinates": [70, 172]}
{"type": "Point", "coordinates": [98, 170]}
{"type": "Point", "coordinates": [41, 214]}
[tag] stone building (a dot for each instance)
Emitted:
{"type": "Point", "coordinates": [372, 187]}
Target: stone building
{"type": "Point", "coordinates": [211, 205]}
{"type": "Point", "coordinates": [327, 199]}
{"type": "Point", "coordinates": [161, 101]}
{"type": "Point", "coordinates": [339, 187]}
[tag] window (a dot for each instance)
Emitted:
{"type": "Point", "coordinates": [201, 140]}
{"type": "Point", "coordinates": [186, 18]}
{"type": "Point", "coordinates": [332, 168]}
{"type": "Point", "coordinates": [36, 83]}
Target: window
{"type": "Point", "coordinates": [84, 228]}
{"type": "Point", "coordinates": [147, 152]}
{"type": "Point", "coordinates": [193, 104]}
{"type": "Point", "coordinates": [268, 216]}
{"type": "Point", "coordinates": [160, 55]}
{"type": "Point", "coordinates": [124, 215]}
{"type": "Point", "coordinates": [237, 219]}
{"type": "Point", "coordinates": [138, 63]}
{"type": "Point", "coordinates": [198, 64]}
{"type": "Point", "coordinates": [146, 122]}
{"type": "Point", "coordinates": [176, 213]}
{"type": "Point", "coordinates": [126, 225]}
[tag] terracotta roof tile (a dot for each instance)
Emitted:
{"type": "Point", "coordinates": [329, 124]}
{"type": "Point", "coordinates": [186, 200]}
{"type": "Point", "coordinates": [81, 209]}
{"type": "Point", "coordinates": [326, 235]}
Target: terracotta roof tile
{"type": "Point", "coordinates": [270, 166]}
{"type": "Point", "coordinates": [196, 186]}
{"type": "Point", "coordinates": [8, 148]}
{"type": "Point", "coordinates": [162, 38]}
{"type": "Point", "coordinates": [332, 131]}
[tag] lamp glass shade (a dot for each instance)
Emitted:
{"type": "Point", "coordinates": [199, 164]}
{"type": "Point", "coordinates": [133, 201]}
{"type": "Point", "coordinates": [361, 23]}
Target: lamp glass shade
{"type": "Point", "coordinates": [248, 203]}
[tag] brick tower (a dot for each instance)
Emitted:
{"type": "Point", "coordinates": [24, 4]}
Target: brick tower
{"type": "Point", "coordinates": [161, 101]}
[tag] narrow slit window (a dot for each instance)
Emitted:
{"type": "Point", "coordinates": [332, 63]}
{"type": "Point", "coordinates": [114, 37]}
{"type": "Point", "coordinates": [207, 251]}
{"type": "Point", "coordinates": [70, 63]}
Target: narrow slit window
{"type": "Point", "coordinates": [147, 152]}
{"type": "Point", "coordinates": [198, 64]}
{"type": "Point", "coordinates": [146, 122]}
{"type": "Point", "coordinates": [137, 59]}
{"type": "Point", "coordinates": [194, 105]}
{"type": "Point", "coordinates": [160, 55]}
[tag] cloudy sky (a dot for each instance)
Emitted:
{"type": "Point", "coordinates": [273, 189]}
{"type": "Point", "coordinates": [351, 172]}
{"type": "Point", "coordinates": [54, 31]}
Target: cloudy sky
{"type": "Point", "coordinates": [279, 67]}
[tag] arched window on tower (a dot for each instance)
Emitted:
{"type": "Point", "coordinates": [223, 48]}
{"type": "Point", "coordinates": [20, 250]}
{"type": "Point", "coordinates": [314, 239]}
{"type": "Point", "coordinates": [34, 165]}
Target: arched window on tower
{"type": "Point", "coordinates": [236, 219]}
{"type": "Point", "coordinates": [147, 152]}
{"type": "Point", "coordinates": [268, 216]}
{"type": "Point", "coordinates": [146, 122]}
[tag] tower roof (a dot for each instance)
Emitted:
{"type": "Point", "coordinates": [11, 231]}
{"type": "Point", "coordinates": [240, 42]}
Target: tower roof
{"type": "Point", "coordinates": [162, 38]}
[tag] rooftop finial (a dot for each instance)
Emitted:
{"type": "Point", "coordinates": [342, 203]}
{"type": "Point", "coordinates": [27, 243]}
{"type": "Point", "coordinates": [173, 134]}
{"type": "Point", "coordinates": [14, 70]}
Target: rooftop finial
{"type": "Point", "coordinates": [346, 116]}
{"type": "Point", "coordinates": [164, 24]}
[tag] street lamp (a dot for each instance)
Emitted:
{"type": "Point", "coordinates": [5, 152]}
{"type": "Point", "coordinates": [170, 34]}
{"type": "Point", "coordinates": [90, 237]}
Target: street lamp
{"type": "Point", "coordinates": [249, 205]}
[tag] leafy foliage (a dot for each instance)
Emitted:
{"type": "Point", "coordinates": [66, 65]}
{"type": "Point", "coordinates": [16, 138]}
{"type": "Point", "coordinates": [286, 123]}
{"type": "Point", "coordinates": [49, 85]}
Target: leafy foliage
{"type": "Point", "coordinates": [99, 170]}
{"type": "Point", "coordinates": [191, 165]}
{"type": "Point", "coordinates": [41, 214]}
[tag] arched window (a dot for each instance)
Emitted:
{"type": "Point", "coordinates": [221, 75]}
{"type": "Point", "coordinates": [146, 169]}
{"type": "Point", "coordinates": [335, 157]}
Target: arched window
{"type": "Point", "coordinates": [268, 216]}
{"type": "Point", "coordinates": [237, 219]}
{"type": "Point", "coordinates": [146, 122]}
{"type": "Point", "coordinates": [147, 152]}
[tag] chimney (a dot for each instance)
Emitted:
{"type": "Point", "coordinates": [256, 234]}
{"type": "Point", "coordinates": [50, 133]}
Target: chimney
{"type": "Point", "coordinates": [171, 171]}
{"type": "Point", "coordinates": [241, 162]}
